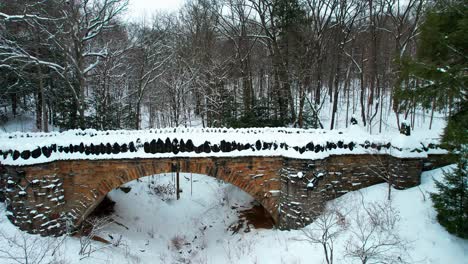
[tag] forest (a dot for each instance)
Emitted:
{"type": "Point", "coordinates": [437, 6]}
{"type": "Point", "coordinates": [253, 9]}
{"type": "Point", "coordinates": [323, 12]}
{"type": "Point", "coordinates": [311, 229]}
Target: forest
{"type": "Point", "coordinates": [233, 63]}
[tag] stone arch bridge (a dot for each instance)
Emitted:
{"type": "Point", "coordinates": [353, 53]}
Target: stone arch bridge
{"type": "Point", "coordinates": [51, 182]}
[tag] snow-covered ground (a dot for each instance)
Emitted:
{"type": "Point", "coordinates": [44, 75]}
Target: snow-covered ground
{"type": "Point", "coordinates": [156, 228]}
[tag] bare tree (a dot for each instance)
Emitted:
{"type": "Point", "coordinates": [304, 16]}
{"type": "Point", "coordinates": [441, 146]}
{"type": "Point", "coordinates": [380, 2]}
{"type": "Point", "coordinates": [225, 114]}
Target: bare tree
{"type": "Point", "coordinates": [374, 234]}
{"type": "Point", "coordinates": [90, 237]}
{"type": "Point", "coordinates": [325, 229]}
{"type": "Point", "coordinates": [86, 20]}
{"type": "Point", "coordinates": [71, 28]}
{"type": "Point", "coordinates": [24, 248]}
{"type": "Point", "coordinates": [380, 167]}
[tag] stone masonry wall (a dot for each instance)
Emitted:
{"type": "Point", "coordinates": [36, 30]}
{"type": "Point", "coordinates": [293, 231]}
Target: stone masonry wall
{"type": "Point", "coordinates": [35, 203]}
{"type": "Point", "coordinates": [56, 197]}
{"type": "Point", "coordinates": [308, 185]}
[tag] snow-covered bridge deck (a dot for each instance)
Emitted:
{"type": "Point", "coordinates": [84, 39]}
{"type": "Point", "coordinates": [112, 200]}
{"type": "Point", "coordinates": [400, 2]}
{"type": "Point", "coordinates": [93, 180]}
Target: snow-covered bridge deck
{"type": "Point", "coordinates": [34, 148]}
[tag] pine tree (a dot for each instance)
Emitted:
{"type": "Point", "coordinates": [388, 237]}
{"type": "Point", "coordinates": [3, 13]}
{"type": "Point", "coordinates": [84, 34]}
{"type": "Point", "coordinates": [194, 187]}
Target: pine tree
{"type": "Point", "coordinates": [437, 77]}
{"type": "Point", "coordinates": [451, 200]}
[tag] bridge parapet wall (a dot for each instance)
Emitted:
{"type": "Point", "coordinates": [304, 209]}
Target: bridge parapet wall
{"type": "Point", "coordinates": [18, 149]}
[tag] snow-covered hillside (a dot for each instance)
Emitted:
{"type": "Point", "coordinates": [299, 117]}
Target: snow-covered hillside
{"type": "Point", "coordinates": [156, 228]}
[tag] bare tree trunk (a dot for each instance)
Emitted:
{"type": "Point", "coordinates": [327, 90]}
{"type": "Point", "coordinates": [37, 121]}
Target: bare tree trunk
{"type": "Point", "coordinates": [381, 112]}
{"type": "Point", "coordinates": [318, 86]}
{"type": "Point", "coordinates": [346, 88]}
{"type": "Point", "coordinates": [336, 93]}
{"type": "Point", "coordinates": [302, 95]}
{"type": "Point", "coordinates": [361, 99]}
{"type": "Point", "coordinates": [432, 114]}
{"type": "Point", "coordinates": [14, 103]}
{"type": "Point", "coordinates": [41, 121]}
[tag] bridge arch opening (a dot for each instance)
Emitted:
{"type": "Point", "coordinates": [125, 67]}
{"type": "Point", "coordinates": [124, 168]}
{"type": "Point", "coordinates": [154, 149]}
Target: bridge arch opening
{"type": "Point", "coordinates": [148, 208]}
{"type": "Point", "coordinates": [257, 176]}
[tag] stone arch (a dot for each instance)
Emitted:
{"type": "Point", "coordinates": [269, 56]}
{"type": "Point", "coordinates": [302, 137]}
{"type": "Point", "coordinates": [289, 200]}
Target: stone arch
{"type": "Point", "coordinates": [81, 185]}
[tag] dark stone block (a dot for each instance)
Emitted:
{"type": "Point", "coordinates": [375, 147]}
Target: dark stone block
{"type": "Point", "coordinates": [302, 150]}
{"type": "Point", "coordinates": [102, 148]}
{"type": "Point", "coordinates": [108, 148]}
{"type": "Point", "coordinates": [146, 147]}
{"type": "Point", "coordinates": [76, 148]}
{"type": "Point", "coordinates": [26, 154]}
{"type": "Point", "coordinates": [168, 146]}
{"type": "Point", "coordinates": [182, 145]}
{"type": "Point", "coordinates": [215, 148]}
{"type": "Point", "coordinates": [46, 151]}
{"type": "Point", "coordinates": [16, 155]}
{"type": "Point", "coordinates": [131, 147]}
{"type": "Point", "coordinates": [175, 146]}
{"type": "Point", "coordinates": [97, 150]}
{"type": "Point", "coordinates": [198, 149]}
{"type": "Point", "coordinates": [317, 148]}
{"type": "Point", "coordinates": [206, 147]}
{"type": "Point", "coordinates": [160, 146]}
{"type": "Point", "coordinates": [340, 144]}
{"type": "Point", "coordinates": [240, 146]}
{"type": "Point", "coordinates": [81, 148]}
{"type": "Point", "coordinates": [153, 147]}
{"type": "Point", "coordinates": [189, 146]}
{"type": "Point", "coordinates": [36, 153]}
{"type": "Point", "coordinates": [124, 148]}
{"type": "Point", "coordinates": [116, 148]}
{"type": "Point", "coordinates": [258, 145]}
{"type": "Point", "coordinates": [87, 150]}
{"type": "Point", "coordinates": [233, 145]}
{"type": "Point", "coordinates": [248, 146]}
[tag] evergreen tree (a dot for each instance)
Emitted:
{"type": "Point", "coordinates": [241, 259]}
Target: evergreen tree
{"type": "Point", "coordinates": [455, 133]}
{"type": "Point", "coordinates": [451, 200]}
{"type": "Point", "coordinates": [437, 76]}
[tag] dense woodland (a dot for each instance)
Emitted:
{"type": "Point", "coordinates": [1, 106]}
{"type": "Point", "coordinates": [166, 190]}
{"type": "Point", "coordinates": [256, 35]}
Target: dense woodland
{"type": "Point", "coordinates": [237, 63]}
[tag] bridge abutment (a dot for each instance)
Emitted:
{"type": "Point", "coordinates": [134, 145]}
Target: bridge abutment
{"type": "Point", "coordinates": [308, 185]}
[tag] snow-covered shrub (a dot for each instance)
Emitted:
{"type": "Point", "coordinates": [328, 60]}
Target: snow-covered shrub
{"type": "Point", "coordinates": [164, 191]}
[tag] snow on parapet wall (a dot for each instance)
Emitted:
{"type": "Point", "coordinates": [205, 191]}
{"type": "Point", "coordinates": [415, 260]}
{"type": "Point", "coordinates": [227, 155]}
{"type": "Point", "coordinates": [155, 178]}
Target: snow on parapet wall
{"type": "Point", "coordinates": [33, 148]}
